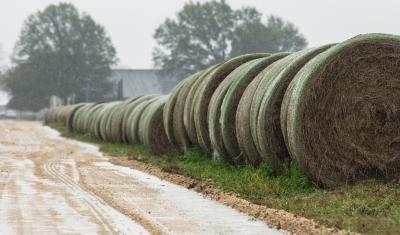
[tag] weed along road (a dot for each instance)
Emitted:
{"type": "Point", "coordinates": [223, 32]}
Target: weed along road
{"type": "Point", "coordinates": [51, 185]}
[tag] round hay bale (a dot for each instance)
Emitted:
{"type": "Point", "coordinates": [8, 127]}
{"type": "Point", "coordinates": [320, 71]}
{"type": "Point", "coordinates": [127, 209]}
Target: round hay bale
{"type": "Point", "coordinates": [108, 124]}
{"type": "Point", "coordinates": [205, 91]}
{"type": "Point", "coordinates": [133, 125]}
{"type": "Point", "coordinates": [73, 123]}
{"type": "Point", "coordinates": [244, 136]}
{"type": "Point", "coordinates": [174, 113]}
{"type": "Point", "coordinates": [223, 105]}
{"type": "Point", "coordinates": [49, 116]}
{"type": "Point", "coordinates": [182, 136]}
{"type": "Point", "coordinates": [152, 132]}
{"type": "Point", "coordinates": [104, 119]}
{"type": "Point", "coordinates": [269, 139]}
{"type": "Point", "coordinates": [77, 124]}
{"type": "Point", "coordinates": [58, 114]}
{"type": "Point", "coordinates": [94, 121]}
{"type": "Point", "coordinates": [188, 118]}
{"type": "Point", "coordinates": [116, 120]}
{"type": "Point", "coordinates": [87, 117]}
{"type": "Point", "coordinates": [125, 125]}
{"type": "Point", "coordinates": [100, 122]}
{"type": "Point", "coordinates": [53, 115]}
{"type": "Point", "coordinates": [271, 72]}
{"type": "Point", "coordinates": [169, 113]}
{"type": "Point", "coordinates": [72, 113]}
{"type": "Point", "coordinates": [142, 119]}
{"type": "Point", "coordinates": [343, 120]}
{"type": "Point", "coordinates": [243, 127]}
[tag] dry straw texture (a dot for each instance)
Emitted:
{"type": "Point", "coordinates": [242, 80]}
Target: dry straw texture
{"type": "Point", "coordinates": [205, 91]}
{"type": "Point", "coordinates": [168, 114]}
{"type": "Point", "coordinates": [267, 107]}
{"type": "Point", "coordinates": [117, 118]}
{"type": "Point", "coordinates": [231, 101]}
{"type": "Point", "coordinates": [223, 105]}
{"type": "Point", "coordinates": [133, 119]}
{"type": "Point", "coordinates": [151, 129]}
{"type": "Point", "coordinates": [343, 112]}
{"type": "Point", "coordinates": [188, 113]}
{"type": "Point", "coordinates": [125, 125]}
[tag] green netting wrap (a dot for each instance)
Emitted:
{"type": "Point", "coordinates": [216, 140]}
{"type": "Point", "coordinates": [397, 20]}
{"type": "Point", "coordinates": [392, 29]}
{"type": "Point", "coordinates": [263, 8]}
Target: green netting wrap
{"type": "Point", "coordinates": [181, 134]}
{"type": "Point", "coordinates": [77, 120]}
{"type": "Point", "coordinates": [270, 142]}
{"type": "Point", "coordinates": [104, 120]}
{"type": "Point", "coordinates": [188, 113]}
{"type": "Point", "coordinates": [125, 124]}
{"type": "Point", "coordinates": [132, 125]}
{"type": "Point", "coordinates": [168, 115]}
{"type": "Point", "coordinates": [151, 128]}
{"type": "Point", "coordinates": [74, 109]}
{"type": "Point", "coordinates": [343, 112]}
{"type": "Point", "coordinates": [223, 106]}
{"type": "Point", "coordinates": [88, 117]}
{"type": "Point", "coordinates": [62, 114]}
{"type": "Point", "coordinates": [94, 121]}
{"type": "Point", "coordinates": [256, 102]}
{"type": "Point", "coordinates": [52, 115]}
{"type": "Point", "coordinates": [243, 127]}
{"type": "Point", "coordinates": [74, 123]}
{"type": "Point", "coordinates": [108, 125]}
{"type": "Point", "coordinates": [205, 91]}
{"type": "Point", "coordinates": [116, 120]}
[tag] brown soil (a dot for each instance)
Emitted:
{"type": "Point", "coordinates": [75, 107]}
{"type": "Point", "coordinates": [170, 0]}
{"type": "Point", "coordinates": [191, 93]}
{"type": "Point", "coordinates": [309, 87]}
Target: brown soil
{"type": "Point", "coordinates": [279, 219]}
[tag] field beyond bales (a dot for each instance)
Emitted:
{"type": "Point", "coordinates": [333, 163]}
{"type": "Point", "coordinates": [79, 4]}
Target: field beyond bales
{"type": "Point", "coordinates": [369, 207]}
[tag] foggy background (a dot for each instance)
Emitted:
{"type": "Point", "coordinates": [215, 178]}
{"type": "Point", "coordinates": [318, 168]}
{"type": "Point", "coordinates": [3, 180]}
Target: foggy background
{"type": "Point", "coordinates": [131, 24]}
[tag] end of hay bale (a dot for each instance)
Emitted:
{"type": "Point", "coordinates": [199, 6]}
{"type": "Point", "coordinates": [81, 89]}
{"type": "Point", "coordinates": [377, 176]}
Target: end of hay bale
{"type": "Point", "coordinates": [343, 112]}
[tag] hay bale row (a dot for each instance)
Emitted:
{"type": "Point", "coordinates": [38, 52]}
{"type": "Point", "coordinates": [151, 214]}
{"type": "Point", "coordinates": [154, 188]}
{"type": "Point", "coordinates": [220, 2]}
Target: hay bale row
{"type": "Point", "coordinates": [61, 114]}
{"type": "Point", "coordinates": [333, 110]}
{"type": "Point", "coordinates": [296, 108]}
{"type": "Point", "coordinates": [137, 120]}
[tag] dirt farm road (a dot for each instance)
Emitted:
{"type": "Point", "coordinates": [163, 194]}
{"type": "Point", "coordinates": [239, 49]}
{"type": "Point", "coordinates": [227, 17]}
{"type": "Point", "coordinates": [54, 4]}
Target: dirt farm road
{"type": "Point", "coordinates": [51, 185]}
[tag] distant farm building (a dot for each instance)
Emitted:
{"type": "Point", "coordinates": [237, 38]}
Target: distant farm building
{"type": "Point", "coordinates": [135, 82]}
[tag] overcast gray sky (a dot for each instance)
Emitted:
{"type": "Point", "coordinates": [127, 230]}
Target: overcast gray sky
{"type": "Point", "coordinates": [131, 23]}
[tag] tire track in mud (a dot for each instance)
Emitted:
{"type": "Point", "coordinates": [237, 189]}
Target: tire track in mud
{"type": "Point", "coordinates": [6, 182]}
{"type": "Point", "coordinates": [81, 192]}
{"type": "Point", "coordinates": [96, 205]}
{"type": "Point", "coordinates": [49, 169]}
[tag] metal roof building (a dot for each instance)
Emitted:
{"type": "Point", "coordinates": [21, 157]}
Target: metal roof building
{"type": "Point", "coordinates": [135, 82]}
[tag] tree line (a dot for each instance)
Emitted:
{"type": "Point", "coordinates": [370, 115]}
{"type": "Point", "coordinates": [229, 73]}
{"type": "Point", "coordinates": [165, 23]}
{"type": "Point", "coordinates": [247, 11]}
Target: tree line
{"type": "Point", "coordinates": [65, 53]}
{"type": "Point", "coordinates": [203, 34]}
